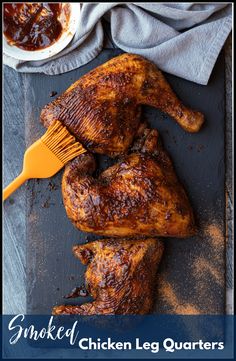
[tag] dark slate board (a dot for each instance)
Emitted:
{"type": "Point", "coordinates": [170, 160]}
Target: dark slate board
{"type": "Point", "coordinates": [192, 272]}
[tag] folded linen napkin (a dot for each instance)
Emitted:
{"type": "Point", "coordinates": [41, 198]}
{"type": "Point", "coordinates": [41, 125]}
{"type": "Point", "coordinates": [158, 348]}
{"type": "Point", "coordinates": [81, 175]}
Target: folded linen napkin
{"type": "Point", "coordinates": [183, 39]}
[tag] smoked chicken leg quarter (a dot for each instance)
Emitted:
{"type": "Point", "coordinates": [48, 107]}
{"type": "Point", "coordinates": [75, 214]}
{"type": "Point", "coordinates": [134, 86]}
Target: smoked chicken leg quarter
{"type": "Point", "coordinates": [139, 195]}
{"type": "Point", "coordinates": [121, 276]}
{"type": "Point", "coordinates": [102, 108]}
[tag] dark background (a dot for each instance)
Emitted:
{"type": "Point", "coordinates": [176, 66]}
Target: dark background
{"type": "Point", "coordinates": [52, 271]}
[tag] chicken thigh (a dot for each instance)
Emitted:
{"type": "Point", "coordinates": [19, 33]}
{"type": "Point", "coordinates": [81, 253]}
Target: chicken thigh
{"type": "Point", "coordinates": [121, 276]}
{"type": "Point", "coordinates": [102, 108]}
{"type": "Point", "coordinates": [139, 195]}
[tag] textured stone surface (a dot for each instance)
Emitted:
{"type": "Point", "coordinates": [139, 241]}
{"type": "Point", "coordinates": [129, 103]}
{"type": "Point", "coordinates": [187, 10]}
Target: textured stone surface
{"type": "Point", "coordinates": [229, 210]}
{"type": "Point", "coordinates": [14, 207]}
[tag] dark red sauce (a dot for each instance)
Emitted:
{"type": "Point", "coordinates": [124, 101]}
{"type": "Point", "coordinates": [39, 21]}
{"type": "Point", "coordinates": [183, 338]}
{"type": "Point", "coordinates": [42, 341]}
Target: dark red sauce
{"type": "Point", "coordinates": [32, 26]}
{"type": "Point", "coordinates": [78, 292]}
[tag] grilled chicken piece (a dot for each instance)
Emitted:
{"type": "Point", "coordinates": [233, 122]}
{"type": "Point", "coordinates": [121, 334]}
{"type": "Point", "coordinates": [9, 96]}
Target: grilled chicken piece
{"type": "Point", "coordinates": [102, 109]}
{"type": "Point", "coordinates": [139, 195]}
{"type": "Point", "coordinates": [121, 276]}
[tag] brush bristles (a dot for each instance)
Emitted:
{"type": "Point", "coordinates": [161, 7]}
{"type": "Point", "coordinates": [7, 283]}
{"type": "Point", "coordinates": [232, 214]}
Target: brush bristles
{"type": "Point", "coordinates": [62, 143]}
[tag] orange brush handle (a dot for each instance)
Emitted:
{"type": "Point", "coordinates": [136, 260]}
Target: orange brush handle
{"type": "Point", "coordinates": [14, 185]}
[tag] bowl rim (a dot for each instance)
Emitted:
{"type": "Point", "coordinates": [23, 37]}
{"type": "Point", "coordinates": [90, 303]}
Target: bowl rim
{"type": "Point", "coordinates": [48, 52]}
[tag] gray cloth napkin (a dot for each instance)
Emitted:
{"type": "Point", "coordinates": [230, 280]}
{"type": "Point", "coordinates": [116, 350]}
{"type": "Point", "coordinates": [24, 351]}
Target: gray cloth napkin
{"type": "Point", "coordinates": [183, 39]}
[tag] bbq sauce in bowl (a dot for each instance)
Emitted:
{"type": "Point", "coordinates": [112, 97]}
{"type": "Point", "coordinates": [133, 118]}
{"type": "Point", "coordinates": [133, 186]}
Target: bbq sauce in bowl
{"type": "Point", "coordinates": [32, 26]}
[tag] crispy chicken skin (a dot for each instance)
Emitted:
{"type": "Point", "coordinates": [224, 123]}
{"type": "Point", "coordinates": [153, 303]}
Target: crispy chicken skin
{"type": "Point", "coordinates": [139, 195]}
{"type": "Point", "coordinates": [102, 108]}
{"type": "Point", "coordinates": [121, 276]}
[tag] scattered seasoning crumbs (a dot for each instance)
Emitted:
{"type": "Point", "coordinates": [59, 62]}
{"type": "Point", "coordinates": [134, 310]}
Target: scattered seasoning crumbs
{"type": "Point", "coordinates": [46, 204]}
{"type": "Point", "coordinates": [53, 93]}
{"type": "Point", "coordinates": [200, 147]}
{"type": "Point", "coordinates": [52, 186]}
{"type": "Point", "coordinates": [206, 270]}
{"type": "Point", "coordinates": [180, 308]}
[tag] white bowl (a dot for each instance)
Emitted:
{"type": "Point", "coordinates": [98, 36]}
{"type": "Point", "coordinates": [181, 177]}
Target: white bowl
{"type": "Point", "coordinates": [52, 50]}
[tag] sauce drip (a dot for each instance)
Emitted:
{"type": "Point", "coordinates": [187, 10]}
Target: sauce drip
{"type": "Point", "coordinates": [32, 26]}
{"type": "Point", "coordinates": [77, 292]}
